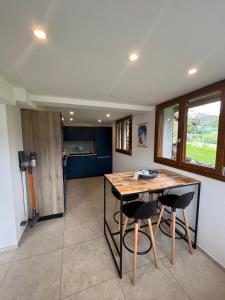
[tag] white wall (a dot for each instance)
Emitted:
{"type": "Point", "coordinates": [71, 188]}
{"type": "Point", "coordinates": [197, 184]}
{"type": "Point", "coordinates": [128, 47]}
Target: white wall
{"type": "Point", "coordinates": [15, 145]}
{"type": "Point", "coordinates": [211, 233]}
{"type": "Point", "coordinates": [11, 205]}
{"type": "Point", "coordinates": [141, 157]}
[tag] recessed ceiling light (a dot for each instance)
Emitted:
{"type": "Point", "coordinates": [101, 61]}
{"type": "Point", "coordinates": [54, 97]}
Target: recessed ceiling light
{"type": "Point", "coordinates": [108, 115]}
{"type": "Point", "coordinates": [71, 113]}
{"type": "Point", "coordinates": [192, 71]}
{"type": "Point", "coordinates": [133, 57]}
{"type": "Point", "coordinates": [40, 34]}
{"type": "Point", "coordinates": [63, 119]}
{"type": "Point", "coordinates": [71, 119]}
{"type": "Point", "coordinates": [99, 121]}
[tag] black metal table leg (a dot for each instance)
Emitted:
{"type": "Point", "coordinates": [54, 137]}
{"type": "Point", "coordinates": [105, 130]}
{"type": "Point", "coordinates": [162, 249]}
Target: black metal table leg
{"type": "Point", "coordinates": [121, 237]}
{"type": "Point", "coordinates": [197, 214]}
{"type": "Point", "coordinates": [104, 203]}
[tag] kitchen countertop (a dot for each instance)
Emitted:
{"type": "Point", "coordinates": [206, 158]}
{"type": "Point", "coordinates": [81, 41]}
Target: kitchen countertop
{"type": "Point", "coordinates": [79, 154]}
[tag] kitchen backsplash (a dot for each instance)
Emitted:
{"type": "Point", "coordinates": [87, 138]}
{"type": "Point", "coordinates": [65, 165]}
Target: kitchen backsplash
{"type": "Point", "coordinates": [77, 147]}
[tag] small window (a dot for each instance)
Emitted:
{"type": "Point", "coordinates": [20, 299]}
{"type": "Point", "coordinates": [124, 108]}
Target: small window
{"type": "Point", "coordinates": [169, 134]}
{"type": "Point", "coordinates": [202, 130]}
{"type": "Point", "coordinates": [124, 135]}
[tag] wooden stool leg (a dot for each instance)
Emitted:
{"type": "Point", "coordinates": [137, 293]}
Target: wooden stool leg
{"type": "Point", "coordinates": [135, 252]}
{"type": "Point", "coordinates": [125, 225]}
{"type": "Point", "coordinates": [114, 211]}
{"type": "Point", "coordinates": [173, 251]}
{"type": "Point", "coordinates": [159, 220]}
{"type": "Point", "coordinates": [139, 228]}
{"type": "Point", "coordinates": [171, 222]}
{"type": "Point", "coordinates": [153, 243]}
{"type": "Point", "coordinates": [188, 231]}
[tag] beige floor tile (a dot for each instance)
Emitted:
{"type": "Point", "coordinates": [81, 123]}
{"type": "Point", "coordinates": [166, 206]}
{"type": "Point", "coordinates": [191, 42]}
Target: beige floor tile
{"type": "Point", "coordinates": [85, 265]}
{"type": "Point", "coordinates": [43, 237]}
{"type": "Point", "coordinates": [6, 257]}
{"type": "Point", "coordinates": [35, 278]}
{"type": "Point", "coordinates": [164, 244]}
{"type": "Point", "coordinates": [82, 209]}
{"type": "Point", "coordinates": [200, 277]}
{"type": "Point", "coordinates": [81, 230]}
{"type": "Point", "coordinates": [152, 284]}
{"type": "Point", "coordinates": [109, 290]}
{"type": "Point", "coordinates": [3, 270]}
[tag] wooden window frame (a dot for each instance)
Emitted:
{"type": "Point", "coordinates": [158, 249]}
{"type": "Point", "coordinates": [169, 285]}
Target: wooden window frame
{"type": "Point", "coordinates": [121, 121]}
{"type": "Point", "coordinates": [180, 163]}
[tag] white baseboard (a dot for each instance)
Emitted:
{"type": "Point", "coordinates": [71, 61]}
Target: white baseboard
{"type": "Point", "coordinates": [8, 248]}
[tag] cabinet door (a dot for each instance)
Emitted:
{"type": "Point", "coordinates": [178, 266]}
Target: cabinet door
{"type": "Point", "coordinates": [104, 164]}
{"type": "Point", "coordinates": [103, 139]}
{"type": "Point", "coordinates": [75, 133]}
{"type": "Point", "coordinates": [81, 166]}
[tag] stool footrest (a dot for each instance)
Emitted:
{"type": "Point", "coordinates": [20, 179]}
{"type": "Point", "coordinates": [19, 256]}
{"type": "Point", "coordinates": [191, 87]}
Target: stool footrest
{"type": "Point", "coordinates": [169, 235]}
{"type": "Point", "coordinates": [140, 232]}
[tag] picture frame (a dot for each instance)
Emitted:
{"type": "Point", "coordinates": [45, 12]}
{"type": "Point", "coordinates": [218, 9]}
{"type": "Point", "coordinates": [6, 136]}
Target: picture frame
{"type": "Point", "coordinates": [142, 133]}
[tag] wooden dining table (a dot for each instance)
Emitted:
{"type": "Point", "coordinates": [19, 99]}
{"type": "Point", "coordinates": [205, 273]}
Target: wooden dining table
{"type": "Point", "coordinates": [125, 184]}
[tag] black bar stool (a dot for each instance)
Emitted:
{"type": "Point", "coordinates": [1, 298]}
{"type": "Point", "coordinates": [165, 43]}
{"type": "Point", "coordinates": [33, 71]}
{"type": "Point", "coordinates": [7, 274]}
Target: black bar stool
{"type": "Point", "coordinates": [126, 198]}
{"type": "Point", "coordinates": [175, 202]}
{"type": "Point", "coordinates": [140, 210]}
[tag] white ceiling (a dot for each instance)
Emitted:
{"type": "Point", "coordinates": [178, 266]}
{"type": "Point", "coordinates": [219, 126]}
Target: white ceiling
{"type": "Point", "coordinates": [88, 115]}
{"type": "Point", "coordinates": [88, 43]}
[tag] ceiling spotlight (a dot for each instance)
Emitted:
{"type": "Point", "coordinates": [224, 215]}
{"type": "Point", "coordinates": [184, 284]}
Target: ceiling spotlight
{"type": "Point", "coordinates": [71, 113]}
{"type": "Point", "coordinates": [71, 119]}
{"type": "Point", "coordinates": [63, 119]}
{"type": "Point", "coordinates": [133, 57]}
{"type": "Point", "coordinates": [192, 71]}
{"type": "Point", "coordinates": [40, 34]}
{"type": "Point", "coordinates": [108, 115]}
{"type": "Point", "coordinates": [99, 121]}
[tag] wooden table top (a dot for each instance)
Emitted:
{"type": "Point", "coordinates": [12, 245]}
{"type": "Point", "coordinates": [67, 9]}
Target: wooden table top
{"type": "Point", "coordinates": [126, 184]}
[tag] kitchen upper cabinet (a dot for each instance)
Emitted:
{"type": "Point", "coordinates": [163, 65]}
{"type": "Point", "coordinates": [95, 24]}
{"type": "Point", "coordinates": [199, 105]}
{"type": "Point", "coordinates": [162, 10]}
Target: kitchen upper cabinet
{"type": "Point", "coordinates": [103, 140]}
{"type": "Point", "coordinates": [78, 133]}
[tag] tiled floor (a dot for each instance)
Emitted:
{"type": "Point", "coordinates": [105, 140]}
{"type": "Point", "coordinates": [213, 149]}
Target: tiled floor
{"type": "Point", "coordinates": [69, 259]}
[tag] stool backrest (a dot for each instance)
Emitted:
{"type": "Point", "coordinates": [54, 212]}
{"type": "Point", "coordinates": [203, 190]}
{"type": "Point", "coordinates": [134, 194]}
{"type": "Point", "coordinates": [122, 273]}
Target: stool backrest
{"type": "Point", "coordinates": [184, 200]}
{"type": "Point", "coordinates": [126, 197]}
{"type": "Point", "coordinates": [147, 210]}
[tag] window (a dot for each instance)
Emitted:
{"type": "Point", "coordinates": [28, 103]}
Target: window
{"type": "Point", "coordinates": [170, 117]}
{"type": "Point", "coordinates": [124, 135]}
{"type": "Point", "coordinates": [190, 132]}
{"type": "Point", "coordinates": [202, 131]}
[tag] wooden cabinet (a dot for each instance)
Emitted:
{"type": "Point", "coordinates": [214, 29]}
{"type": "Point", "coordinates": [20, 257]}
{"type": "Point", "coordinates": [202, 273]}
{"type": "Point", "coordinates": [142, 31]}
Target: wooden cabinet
{"type": "Point", "coordinates": [42, 134]}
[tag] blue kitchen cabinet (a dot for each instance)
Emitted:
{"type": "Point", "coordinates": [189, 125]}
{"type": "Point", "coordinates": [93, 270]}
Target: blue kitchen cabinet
{"type": "Point", "coordinates": [103, 141]}
{"type": "Point", "coordinates": [81, 166]}
{"type": "Point", "coordinates": [78, 133]}
{"type": "Point", "coordinates": [104, 165]}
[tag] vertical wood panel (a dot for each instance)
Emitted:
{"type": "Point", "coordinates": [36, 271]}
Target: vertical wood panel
{"type": "Point", "coordinates": [42, 134]}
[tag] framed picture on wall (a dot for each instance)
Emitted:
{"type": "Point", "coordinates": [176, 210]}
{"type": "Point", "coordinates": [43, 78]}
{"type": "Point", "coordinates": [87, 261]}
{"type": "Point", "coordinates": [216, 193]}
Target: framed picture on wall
{"type": "Point", "coordinates": [142, 134]}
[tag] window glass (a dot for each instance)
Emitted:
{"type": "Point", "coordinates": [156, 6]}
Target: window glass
{"type": "Point", "coordinates": [202, 132]}
{"type": "Point", "coordinates": [123, 137]}
{"type": "Point", "coordinates": [170, 116]}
